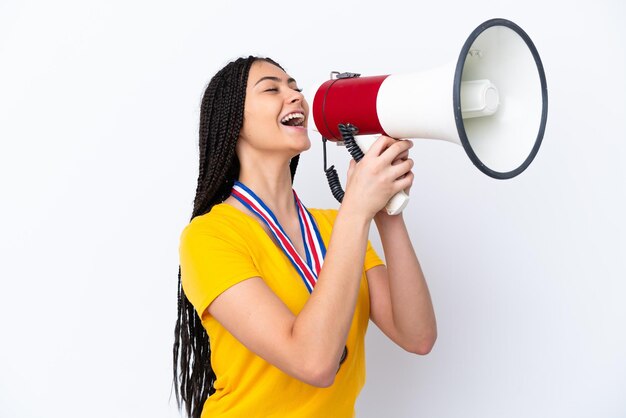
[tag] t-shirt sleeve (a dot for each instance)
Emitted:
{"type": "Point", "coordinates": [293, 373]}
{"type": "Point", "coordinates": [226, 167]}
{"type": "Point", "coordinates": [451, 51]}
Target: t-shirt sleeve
{"type": "Point", "coordinates": [212, 259]}
{"type": "Point", "coordinates": [371, 258]}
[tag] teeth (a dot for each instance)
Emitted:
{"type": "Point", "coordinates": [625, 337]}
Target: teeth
{"type": "Point", "coordinates": [292, 116]}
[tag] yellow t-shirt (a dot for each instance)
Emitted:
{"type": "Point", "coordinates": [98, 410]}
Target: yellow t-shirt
{"type": "Point", "coordinates": [227, 246]}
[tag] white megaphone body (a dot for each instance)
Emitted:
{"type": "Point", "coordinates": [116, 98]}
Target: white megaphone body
{"type": "Point", "coordinates": [492, 100]}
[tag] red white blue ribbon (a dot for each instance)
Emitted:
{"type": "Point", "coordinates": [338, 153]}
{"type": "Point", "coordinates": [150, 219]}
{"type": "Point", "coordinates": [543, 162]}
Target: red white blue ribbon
{"type": "Point", "coordinates": [314, 247]}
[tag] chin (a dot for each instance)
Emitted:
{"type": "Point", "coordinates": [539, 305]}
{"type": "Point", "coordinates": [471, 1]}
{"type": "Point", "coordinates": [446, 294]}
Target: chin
{"type": "Point", "coordinates": [300, 142]}
{"type": "Point", "coordinates": [306, 145]}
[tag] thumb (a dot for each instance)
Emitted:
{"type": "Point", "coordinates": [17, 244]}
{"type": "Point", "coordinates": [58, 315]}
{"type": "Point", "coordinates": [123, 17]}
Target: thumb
{"type": "Point", "coordinates": [351, 167]}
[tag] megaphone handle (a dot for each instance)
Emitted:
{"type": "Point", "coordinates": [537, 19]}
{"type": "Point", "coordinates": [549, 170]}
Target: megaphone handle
{"type": "Point", "coordinates": [398, 202]}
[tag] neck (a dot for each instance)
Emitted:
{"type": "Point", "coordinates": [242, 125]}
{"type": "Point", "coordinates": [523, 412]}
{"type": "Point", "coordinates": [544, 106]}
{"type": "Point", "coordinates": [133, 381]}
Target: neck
{"type": "Point", "coordinates": [271, 181]}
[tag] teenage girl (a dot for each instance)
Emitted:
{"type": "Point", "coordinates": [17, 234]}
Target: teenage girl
{"type": "Point", "coordinates": [274, 298]}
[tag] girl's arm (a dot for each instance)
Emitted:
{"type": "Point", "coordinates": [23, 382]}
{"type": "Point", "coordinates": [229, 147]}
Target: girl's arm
{"type": "Point", "coordinates": [400, 303]}
{"type": "Point", "coordinates": [309, 345]}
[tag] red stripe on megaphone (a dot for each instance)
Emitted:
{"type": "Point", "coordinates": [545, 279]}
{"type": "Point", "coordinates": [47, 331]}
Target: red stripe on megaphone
{"type": "Point", "coordinates": [347, 100]}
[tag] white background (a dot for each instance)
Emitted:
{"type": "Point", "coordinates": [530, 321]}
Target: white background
{"type": "Point", "coordinates": [99, 106]}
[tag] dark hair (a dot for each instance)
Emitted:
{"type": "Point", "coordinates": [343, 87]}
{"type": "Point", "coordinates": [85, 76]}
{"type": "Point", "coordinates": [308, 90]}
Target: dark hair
{"type": "Point", "coordinates": [221, 119]}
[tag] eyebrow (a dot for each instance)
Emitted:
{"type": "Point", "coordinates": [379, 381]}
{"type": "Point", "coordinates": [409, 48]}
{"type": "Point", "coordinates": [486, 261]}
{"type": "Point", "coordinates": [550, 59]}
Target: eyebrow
{"type": "Point", "coordinates": [277, 79]}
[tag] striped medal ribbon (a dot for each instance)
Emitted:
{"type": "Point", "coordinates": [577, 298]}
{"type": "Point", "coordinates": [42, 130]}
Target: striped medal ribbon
{"type": "Point", "coordinates": [313, 245]}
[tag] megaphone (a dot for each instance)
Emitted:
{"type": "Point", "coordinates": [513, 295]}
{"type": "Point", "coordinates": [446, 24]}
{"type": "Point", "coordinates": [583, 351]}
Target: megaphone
{"type": "Point", "coordinates": [492, 100]}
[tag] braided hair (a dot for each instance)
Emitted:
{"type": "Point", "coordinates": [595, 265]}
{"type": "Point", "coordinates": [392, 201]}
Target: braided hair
{"type": "Point", "coordinates": [221, 119]}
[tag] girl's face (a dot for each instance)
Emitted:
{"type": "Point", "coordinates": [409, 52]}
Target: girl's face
{"type": "Point", "coordinates": [275, 112]}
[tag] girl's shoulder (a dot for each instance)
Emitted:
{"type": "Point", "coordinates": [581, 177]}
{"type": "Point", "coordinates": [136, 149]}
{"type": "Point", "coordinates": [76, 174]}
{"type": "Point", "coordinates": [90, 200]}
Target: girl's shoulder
{"type": "Point", "coordinates": [221, 221]}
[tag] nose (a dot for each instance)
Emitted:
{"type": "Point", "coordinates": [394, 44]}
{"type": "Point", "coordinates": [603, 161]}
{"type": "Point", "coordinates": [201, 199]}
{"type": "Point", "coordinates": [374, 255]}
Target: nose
{"type": "Point", "coordinates": [295, 96]}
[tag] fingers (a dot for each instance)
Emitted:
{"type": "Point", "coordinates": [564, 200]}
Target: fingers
{"type": "Point", "coordinates": [402, 166]}
{"type": "Point", "coordinates": [380, 145]}
{"type": "Point", "coordinates": [401, 157]}
{"type": "Point", "coordinates": [401, 169]}
{"type": "Point", "coordinates": [395, 150]}
{"type": "Point", "coordinates": [405, 182]}
{"type": "Point", "coordinates": [391, 156]}
{"type": "Point", "coordinates": [386, 144]}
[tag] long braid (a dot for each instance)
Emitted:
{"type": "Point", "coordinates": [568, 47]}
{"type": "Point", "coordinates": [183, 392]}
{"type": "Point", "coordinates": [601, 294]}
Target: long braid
{"type": "Point", "coordinates": [221, 120]}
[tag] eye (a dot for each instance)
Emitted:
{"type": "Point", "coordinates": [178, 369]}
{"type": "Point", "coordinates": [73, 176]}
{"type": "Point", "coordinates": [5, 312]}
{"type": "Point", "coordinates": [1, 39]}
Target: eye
{"type": "Point", "coordinates": [298, 90]}
{"type": "Point", "coordinates": [272, 89]}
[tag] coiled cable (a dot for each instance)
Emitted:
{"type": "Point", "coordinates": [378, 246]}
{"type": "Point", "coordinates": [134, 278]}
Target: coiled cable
{"type": "Point", "coordinates": [347, 133]}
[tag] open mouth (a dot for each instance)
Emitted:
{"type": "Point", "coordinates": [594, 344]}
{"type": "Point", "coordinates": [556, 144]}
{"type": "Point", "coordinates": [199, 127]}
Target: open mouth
{"type": "Point", "coordinates": [293, 119]}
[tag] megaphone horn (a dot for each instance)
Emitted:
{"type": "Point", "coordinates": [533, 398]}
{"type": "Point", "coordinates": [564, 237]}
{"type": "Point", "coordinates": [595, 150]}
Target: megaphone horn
{"type": "Point", "coordinates": [492, 100]}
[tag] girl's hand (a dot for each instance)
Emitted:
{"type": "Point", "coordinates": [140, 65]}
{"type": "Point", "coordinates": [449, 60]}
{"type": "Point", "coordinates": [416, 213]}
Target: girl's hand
{"type": "Point", "coordinates": [384, 171]}
{"type": "Point", "coordinates": [403, 157]}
